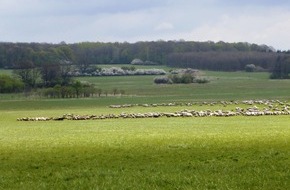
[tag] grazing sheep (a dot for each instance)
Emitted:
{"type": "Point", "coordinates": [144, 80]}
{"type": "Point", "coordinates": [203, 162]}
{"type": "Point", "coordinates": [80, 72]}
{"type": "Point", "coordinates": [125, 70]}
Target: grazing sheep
{"type": "Point", "coordinates": [115, 106]}
{"type": "Point", "coordinates": [58, 118]}
{"type": "Point", "coordinates": [271, 107]}
{"type": "Point", "coordinates": [186, 114]}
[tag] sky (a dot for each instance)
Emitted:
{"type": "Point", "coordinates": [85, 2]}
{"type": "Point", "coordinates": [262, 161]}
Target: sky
{"type": "Point", "coordinates": [53, 21]}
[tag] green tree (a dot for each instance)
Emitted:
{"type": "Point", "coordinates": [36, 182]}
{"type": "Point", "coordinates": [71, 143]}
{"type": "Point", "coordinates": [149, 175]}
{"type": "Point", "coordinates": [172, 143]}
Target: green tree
{"type": "Point", "coordinates": [99, 92]}
{"type": "Point", "coordinates": [281, 69]}
{"type": "Point", "coordinates": [57, 91]}
{"type": "Point", "coordinates": [51, 74]}
{"type": "Point", "coordinates": [9, 84]}
{"type": "Point", "coordinates": [28, 73]}
{"type": "Point", "coordinates": [77, 85]}
{"type": "Point", "coordinates": [115, 91]}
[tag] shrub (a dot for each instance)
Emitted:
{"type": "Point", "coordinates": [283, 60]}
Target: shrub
{"type": "Point", "coordinates": [187, 78]}
{"type": "Point", "coordinates": [182, 78]}
{"type": "Point", "coordinates": [9, 84]}
{"type": "Point", "coordinates": [250, 68]}
{"type": "Point", "coordinates": [175, 78]}
{"type": "Point", "coordinates": [128, 68]}
{"type": "Point", "coordinates": [162, 80]}
{"type": "Point", "coordinates": [150, 72]}
{"type": "Point", "coordinates": [117, 71]}
{"type": "Point", "coordinates": [137, 62]}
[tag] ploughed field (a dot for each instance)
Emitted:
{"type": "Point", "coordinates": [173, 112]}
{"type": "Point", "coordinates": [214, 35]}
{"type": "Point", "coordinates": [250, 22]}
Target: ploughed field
{"type": "Point", "coordinates": [194, 151]}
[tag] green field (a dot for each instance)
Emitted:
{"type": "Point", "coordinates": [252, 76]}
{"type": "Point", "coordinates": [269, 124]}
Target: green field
{"type": "Point", "coordinates": [165, 153]}
{"type": "Point", "coordinates": [223, 85]}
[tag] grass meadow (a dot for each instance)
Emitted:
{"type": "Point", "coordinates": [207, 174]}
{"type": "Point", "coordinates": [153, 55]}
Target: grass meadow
{"type": "Point", "coordinates": [222, 86]}
{"type": "Point", "coordinates": [165, 153]}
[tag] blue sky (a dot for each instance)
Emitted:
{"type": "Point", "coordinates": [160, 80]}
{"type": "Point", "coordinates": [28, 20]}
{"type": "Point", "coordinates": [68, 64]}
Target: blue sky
{"type": "Point", "coordinates": [255, 21]}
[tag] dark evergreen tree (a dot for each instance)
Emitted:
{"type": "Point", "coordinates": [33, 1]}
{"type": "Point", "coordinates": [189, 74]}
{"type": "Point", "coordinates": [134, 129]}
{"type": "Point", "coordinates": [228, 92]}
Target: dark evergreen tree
{"type": "Point", "coordinates": [281, 68]}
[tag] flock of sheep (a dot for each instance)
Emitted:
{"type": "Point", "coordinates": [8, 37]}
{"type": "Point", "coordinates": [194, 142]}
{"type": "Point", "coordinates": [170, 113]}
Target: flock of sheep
{"type": "Point", "coordinates": [254, 108]}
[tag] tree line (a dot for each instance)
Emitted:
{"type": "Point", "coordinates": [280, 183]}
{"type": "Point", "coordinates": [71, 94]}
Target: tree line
{"type": "Point", "coordinates": [75, 89]}
{"type": "Point", "coordinates": [53, 60]}
{"type": "Point", "coordinates": [223, 61]}
{"type": "Point", "coordinates": [87, 53]}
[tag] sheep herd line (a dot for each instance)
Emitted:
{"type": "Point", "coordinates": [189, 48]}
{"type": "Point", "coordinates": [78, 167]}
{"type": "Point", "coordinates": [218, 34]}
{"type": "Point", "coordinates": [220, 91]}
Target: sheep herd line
{"type": "Point", "coordinates": [254, 108]}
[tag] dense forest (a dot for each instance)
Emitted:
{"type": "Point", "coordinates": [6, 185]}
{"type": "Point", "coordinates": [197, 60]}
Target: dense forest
{"type": "Point", "coordinates": [220, 56]}
{"type": "Point", "coordinates": [199, 55]}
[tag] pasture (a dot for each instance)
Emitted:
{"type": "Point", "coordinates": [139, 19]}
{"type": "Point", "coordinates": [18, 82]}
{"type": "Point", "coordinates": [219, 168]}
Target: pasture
{"type": "Point", "coordinates": [149, 153]}
{"type": "Point", "coordinates": [222, 86]}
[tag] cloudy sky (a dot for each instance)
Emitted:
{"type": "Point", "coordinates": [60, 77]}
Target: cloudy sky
{"type": "Point", "coordinates": [255, 21]}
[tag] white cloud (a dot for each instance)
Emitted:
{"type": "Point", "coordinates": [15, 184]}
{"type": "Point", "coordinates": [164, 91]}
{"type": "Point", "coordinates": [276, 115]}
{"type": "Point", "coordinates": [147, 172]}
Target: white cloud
{"type": "Point", "coordinates": [271, 28]}
{"type": "Point", "coordinates": [164, 26]}
{"type": "Point", "coordinates": [254, 21]}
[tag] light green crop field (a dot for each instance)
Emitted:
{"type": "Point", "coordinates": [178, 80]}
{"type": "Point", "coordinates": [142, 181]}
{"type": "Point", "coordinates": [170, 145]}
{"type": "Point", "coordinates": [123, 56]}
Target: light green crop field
{"type": "Point", "coordinates": [154, 153]}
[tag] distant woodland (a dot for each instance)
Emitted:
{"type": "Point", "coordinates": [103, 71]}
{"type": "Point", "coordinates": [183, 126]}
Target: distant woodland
{"type": "Point", "coordinates": [220, 56]}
